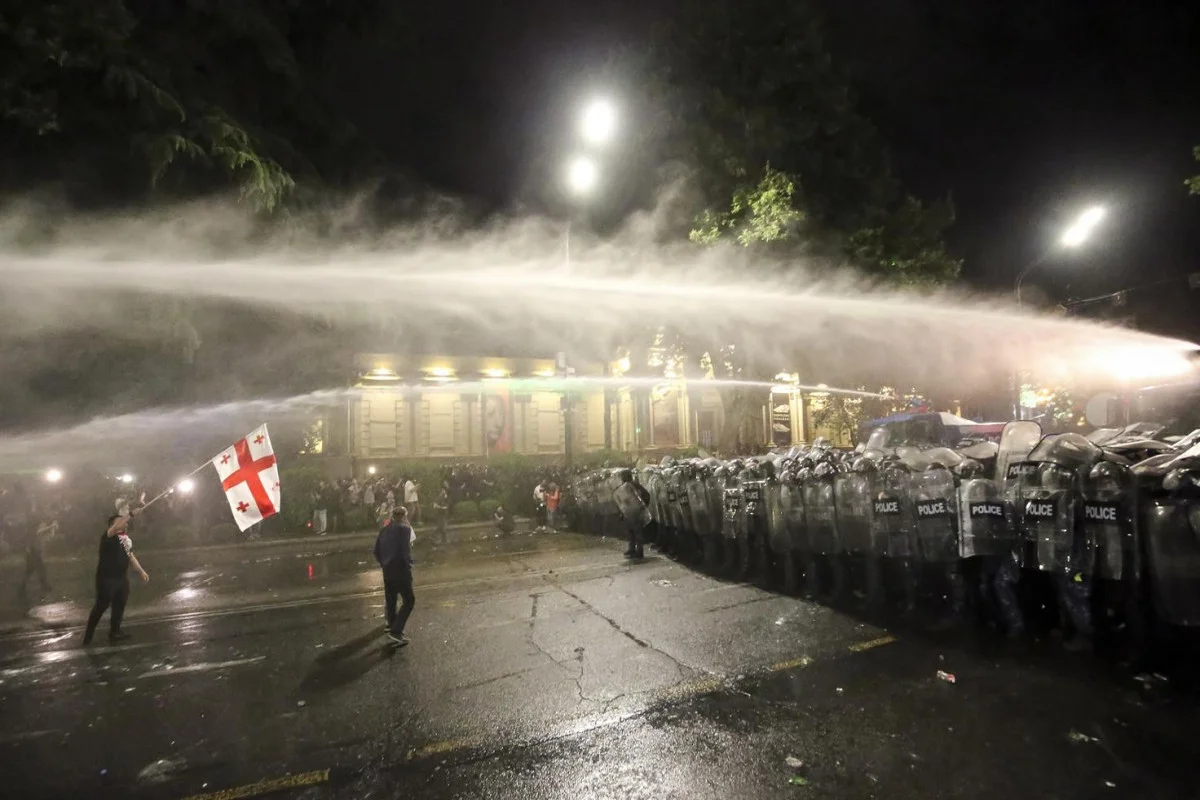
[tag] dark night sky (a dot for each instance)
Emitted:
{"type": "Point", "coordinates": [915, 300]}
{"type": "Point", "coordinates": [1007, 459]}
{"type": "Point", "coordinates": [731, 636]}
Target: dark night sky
{"type": "Point", "coordinates": [1023, 111]}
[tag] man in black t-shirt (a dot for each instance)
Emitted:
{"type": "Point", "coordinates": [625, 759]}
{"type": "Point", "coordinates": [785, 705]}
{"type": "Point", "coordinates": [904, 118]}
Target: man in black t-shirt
{"type": "Point", "coordinates": [112, 577]}
{"type": "Point", "coordinates": [393, 551]}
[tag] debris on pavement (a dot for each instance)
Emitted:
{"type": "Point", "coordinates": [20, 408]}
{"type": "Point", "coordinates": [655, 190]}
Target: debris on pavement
{"type": "Point", "coordinates": [663, 582]}
{"type": "Point", "coordinates": [301, 703]}
{"type": "Point", "coordinates": [794, 762]}
{"type": "Point", "coordinates": [840, 690]}
{"type": "Point", "coordinates": [948, 677]}
{"type": "Point", "coordinates": [160, 771]}
{"type": "Point", "coordinates": [1110, 784]}
{"type": "Point", "coordinates": [1076, 736]}
{"type": "Point", "coordinates": [798, 780]}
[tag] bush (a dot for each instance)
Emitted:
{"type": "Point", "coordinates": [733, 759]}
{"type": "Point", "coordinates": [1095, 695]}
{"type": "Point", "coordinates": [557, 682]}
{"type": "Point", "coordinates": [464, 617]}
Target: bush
{"type": "Point", "coordinates": [299, 486]}
{"type": "Point", "coordinates": [466, 511]}
{"type": "Point", "coordinates": [487, 507]}
{"type": "Point", "coordinates": [358, 518]}
{"type": "Point", "coordinates": [224, 533]}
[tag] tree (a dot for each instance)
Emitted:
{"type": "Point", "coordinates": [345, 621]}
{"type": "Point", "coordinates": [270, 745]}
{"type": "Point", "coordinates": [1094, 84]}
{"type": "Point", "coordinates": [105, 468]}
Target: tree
{"type": "Point", "coordinates": [754, 102]}
{"type": "Point", "coordinates": [188, 96]}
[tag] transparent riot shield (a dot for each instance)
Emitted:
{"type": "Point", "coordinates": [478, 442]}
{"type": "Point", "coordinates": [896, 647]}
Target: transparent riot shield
{"type": "Point", "coordinates": [687, 522]}
{"type": "Point", "coordinates": [983, 522]}
{"type": "Point", "coordinates": [731, 507]}
{"type": "Point", "coordinates": [853, 494]}
{"type": "Point", "coordinates": [820, 513]}
{"type": "Point", "coordinates": [892, 530]}
{"type": "Point", "coordinates": [1049, 505]}
{"type": "Point", "coordinates": [1172, 545]}
{"type": "Point", "coordinates": [1110, 520]}
{"type": "Point", "coordinates": [935, 512]}
{"type": "Point", "coordinates": [703, 518]}
{"type": "Point", "coordinates": [631, 507]}
{"type": "Point", "coordinates": [777, 530]}
{"type": "Point", "coordinates": [791, 501]}
{"type": "Point", "coordinates": [1017, 441]}
{"type": "Point", "coordinates": [754, 510]}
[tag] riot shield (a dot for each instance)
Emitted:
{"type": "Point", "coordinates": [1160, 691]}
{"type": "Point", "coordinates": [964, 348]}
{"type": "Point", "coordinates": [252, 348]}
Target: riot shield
{"type": "Point", "coordinates": [892, 529]}
{"type": "Point", "coordinates": [631, 507]}
{"type": "Point", "coordinates": [935, 512]}
{"type": "Point", "coordinates": [1109, 520]}
{"type": "Point", "coordinates": [754, 497]}
{"type": "Point", "coordinates": [791, 502]}
{"type": "Point", "coordinates": [731, 507]}
{"type": "Point", "coordinates": [1172, 544]}
{"type": "Point", "coordinates": [1017, 440]}
{"type": "Point", "coordinates": [698, 500]}
{"type": "Point", "coordinates": [1048, 506]}
{"type": "Point", "coordinates": [853, 496]}
{"type": "Point", "coordinates": [983, 523]}
{"type": "Point", "coordinates": [777, 531]}
{"type": "Point", "coordinates": [820, 514]}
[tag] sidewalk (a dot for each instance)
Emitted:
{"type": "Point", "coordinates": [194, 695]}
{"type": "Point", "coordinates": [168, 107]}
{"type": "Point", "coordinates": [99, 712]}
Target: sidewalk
{"type": "Point", "coordinates": [425, 533]}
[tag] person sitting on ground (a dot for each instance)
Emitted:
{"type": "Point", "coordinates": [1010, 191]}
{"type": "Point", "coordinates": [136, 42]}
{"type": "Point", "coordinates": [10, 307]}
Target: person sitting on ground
{"type": "Point", "coordinates": [502, 520]}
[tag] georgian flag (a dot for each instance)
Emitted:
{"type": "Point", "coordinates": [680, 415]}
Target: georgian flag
{"type": "Point", "coordinates": [250, 478]}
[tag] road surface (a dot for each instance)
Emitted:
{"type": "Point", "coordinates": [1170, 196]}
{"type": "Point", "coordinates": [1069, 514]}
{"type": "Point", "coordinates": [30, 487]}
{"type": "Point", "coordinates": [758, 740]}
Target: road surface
{"type": "Point", "coordinates": [546, 666]}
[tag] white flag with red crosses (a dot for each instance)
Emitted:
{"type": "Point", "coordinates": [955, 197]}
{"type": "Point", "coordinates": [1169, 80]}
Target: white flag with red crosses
{"type": "Point", "coordinates": [250, 478]}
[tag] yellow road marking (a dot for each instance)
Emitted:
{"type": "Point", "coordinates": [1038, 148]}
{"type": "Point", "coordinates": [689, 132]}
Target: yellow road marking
{"type": "Point", "coordinates": [861, 646]}
{"type": "Point", "coordinates": [264, 787]}
{"type": "Point", "coordinates": [802, 661]}
{"type": "Point", "coordinates": [438, 748]}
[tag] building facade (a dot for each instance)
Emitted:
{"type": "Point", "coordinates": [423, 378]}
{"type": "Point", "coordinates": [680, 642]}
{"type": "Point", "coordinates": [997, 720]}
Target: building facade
{"type": "Point", "coordinates": [474, 408]}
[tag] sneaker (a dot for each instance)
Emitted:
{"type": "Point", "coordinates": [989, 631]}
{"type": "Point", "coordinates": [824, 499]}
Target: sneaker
{"type": "Point", "coordinates": [87, 640]}
{"type": "Point", "coordinates": [118, 636]}
{"type": "Point", "coordinates": [400, 640]}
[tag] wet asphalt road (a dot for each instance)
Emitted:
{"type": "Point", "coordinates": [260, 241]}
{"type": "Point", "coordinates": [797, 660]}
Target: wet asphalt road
{"type": "Point", "coordinates": [546, 667]}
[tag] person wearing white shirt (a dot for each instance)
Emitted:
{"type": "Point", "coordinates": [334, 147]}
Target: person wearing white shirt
{"type": "Point", "coordinates": [411, 501]}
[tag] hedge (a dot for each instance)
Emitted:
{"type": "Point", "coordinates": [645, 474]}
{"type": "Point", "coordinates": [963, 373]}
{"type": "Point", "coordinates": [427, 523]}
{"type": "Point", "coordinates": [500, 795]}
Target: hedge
{"type": "Point", "coordinates": [466, 511]}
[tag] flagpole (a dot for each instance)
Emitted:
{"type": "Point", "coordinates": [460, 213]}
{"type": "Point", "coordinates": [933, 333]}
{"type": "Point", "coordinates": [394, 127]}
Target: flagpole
{"type": "Point", "coordinates": [175, 486]}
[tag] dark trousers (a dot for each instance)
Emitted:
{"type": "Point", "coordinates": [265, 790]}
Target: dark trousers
{"type": "Point", "coordinates": [398, 585]}
{"type": "Point", "coordinates": [109, 592]}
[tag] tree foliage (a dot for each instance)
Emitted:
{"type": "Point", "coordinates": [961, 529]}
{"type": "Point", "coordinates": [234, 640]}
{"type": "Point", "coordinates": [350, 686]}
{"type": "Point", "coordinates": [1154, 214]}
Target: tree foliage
{"type": "Point", "coordinates": [757, 105]}
{"type": "Point", "coordinates": [130, 95]}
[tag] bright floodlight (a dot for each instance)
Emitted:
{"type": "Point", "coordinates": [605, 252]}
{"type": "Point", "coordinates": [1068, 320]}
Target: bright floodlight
{"type": "Point", "coordinates": [126, 478]}
{"type": "Point", "coordinates": [53, 475]}
{"type": "Point", "coordinates": [371, 470]}
{"type": "Point", "coordinates": [1079, 232]}
{"type": "Point", "coordinates": [598, 122]}
{"type": "Point", "coordinates": [185, 486]}
{"type": "Point", "coordinates": [582, 175]}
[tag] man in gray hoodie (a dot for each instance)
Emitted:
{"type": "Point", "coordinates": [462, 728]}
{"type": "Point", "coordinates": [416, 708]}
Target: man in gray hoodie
{"type": "Point", "coordinates": [393, 551]}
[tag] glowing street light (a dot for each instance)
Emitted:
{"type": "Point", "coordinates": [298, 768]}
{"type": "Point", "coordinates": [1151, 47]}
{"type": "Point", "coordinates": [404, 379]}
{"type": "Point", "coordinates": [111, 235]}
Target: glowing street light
{"type": "Point", "coordinates": [1075, 235]}
{"type": "Point", "coordinates": [53, 475]}
{"type": "Point", "coordinates": [126, 478]}
{"type": "Point", "coordinates": [1079, 232]}
{"type": "Point", "coordinates": [598, 122]}
{"type": "Point", "coordinates": [371, 470]}
{"type": "Point", "coordinates": [582, 175]}
{"type": "Point", "coordinates": [186, 486]}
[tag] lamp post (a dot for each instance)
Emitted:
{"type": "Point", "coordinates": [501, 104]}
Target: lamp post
{"type": "Point", "coordinates": [1075, 235]}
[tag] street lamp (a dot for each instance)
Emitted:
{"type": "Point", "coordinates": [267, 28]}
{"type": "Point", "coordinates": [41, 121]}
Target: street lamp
{"type": "Point", "coordinates": [53, 475]}
{"type": "Point", "coordinates": [582, 175]}
{"type": "Point", "coordinates": [598, 122]}
{"type": "Point", "coordinates": [1075, 235]}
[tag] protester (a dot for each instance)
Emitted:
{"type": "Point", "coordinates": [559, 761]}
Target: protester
{"type": "Point", "coordinates": [112, 577]}
{"type": "Point", "coordinates": [552, 497]}
{"type": "Point", "coordinates": [539, 500]}
{"type": "Point", "coordinates": [393, 551]}
{"type": "Point", "coordinates": [441, 510]}
{"type": "Point", "coordinates": [412, 501]}
{"type": "Point", "coordinates": [368, 495]}
{"type": "Point", "coordinates": [502, 521]}
{"type": "Point", "coordinates": [320, 520]}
